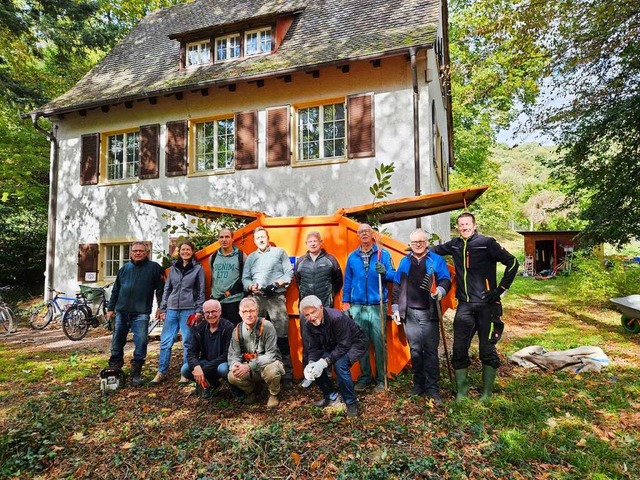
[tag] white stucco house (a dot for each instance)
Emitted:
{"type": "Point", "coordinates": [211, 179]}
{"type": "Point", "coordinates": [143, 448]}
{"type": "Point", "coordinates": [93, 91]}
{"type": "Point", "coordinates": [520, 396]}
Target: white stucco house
{"type": "Point", "coordinates": [282, 106]}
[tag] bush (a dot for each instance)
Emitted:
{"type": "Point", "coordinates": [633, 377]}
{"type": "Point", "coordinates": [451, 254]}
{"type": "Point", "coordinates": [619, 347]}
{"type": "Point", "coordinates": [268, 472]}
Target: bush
{"type": "Point", "coordinates": [594, 284]}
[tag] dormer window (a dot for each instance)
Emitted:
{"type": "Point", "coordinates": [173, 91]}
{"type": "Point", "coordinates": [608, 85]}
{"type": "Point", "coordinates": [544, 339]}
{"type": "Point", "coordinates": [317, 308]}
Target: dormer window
{"type": "Point", "coordinates": [257, 41]}
{"type": "Point", "coordinates": [228, 47]}
{"type": "Point", "coordinates": [198, 53]}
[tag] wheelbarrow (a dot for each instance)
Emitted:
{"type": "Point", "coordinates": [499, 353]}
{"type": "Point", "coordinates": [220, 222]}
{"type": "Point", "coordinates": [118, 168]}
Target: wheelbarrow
{"type": "Point", "coordinates": [630, 308]}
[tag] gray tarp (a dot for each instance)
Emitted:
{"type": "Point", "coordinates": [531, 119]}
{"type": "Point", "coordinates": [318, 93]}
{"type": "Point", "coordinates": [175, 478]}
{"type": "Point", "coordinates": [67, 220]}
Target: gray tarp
{"type": "Point", "coordinates": [575, 360]}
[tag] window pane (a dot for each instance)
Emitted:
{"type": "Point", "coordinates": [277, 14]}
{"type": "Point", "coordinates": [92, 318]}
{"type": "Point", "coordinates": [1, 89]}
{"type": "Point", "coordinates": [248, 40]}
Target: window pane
{"type": "Point", "coordinates": [251, 47]}
{"type": "Point", "coordinates": [234, 47]}
{"type": "Point", "coordinates": [265, 41]}
{"type": "Point", "coordinates": [221, 49]}
{"type": "Point", "coordinates": [321, 132]}
{"type": "Point", "coordinates": [205, 53]}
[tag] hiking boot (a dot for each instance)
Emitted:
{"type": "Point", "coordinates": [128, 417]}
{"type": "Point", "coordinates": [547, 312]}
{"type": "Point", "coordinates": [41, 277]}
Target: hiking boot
{"type": "Point", "coordinates": [462, 384]}
{"type": "Point", "coordinates": [417, 390]}
{"type": "Point", "coordinates": [332, 401]}
{"type": "Point", "coordinates": [184, 381]}
{"type": "Point", "coordinates": [488, 379]}
{"type": "Point", "coordinates": [249, 399]}
{"type": "Point", "coordinates": [361, 386]}
{"type": "Point", "coordinates": [273, 401]}
{"type": "Point", "coordinates": [159, 378]}
{"type": "Point", "coordinates": [352, 410]}
{"type": "Point", "coordinates": [136, 374]}
{"type": "Point", "coordinates": [204, 393]}
{"type": "Point", "coordinates": [434, 398]}
{"type": "Point", "coordinates": [379, 388]}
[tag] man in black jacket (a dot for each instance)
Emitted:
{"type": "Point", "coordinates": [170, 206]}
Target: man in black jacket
{"type": "Point", "coordinates": [479, 309]}
{"type": "Point", "coordinates": [131, 302]}
{"type": "Point", "coordinates": [208, 349]}
{"type": "Point", "coordinates": [317, 273]}
{"type": "Point", "coordinates": [335, 340]}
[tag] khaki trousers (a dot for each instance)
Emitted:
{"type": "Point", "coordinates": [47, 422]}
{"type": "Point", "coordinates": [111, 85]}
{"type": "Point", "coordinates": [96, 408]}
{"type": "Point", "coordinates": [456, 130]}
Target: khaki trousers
{"type": "Point", "coordinates": [271, 375]}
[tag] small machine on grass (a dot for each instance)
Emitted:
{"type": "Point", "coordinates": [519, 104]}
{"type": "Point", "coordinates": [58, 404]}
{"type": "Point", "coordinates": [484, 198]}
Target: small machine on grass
{"type": "Point", "coordinates": [630, 308]}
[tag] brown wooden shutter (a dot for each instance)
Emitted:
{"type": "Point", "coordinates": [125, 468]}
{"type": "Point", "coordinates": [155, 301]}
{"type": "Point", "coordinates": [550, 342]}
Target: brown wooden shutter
{"type": "Point", "coordinates": [361, 126]}
{"type": "Point", "coordinates": [246, 140]}
{"type": "Point", "coordinates": [87, 260]}
{"type": "Point", "coordinates": [89, 159]}
{"type": "Point", "coordinates": [278, 137]}
{"type": "Point", "coordinates": [176, 148]}
{"type": "Point", "coordinates": [149, 151]}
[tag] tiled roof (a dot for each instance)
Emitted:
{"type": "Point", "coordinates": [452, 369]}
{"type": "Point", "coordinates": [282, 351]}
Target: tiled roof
{"type": "Point", "coordinates": [146, 61]}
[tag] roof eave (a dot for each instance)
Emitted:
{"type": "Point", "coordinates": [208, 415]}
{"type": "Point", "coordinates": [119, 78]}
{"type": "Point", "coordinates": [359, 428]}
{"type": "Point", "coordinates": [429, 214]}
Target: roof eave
{"type": "Point", "coordinates": [203, 84]}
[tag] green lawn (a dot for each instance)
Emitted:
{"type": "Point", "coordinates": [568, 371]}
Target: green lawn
{"type": "Point", "coordinates": [55, 424]}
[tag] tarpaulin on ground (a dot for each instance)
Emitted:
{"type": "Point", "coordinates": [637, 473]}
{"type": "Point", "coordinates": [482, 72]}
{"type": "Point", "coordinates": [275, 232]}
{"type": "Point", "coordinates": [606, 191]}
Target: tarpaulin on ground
{"type": "Point", "coordinates": [576, 360]}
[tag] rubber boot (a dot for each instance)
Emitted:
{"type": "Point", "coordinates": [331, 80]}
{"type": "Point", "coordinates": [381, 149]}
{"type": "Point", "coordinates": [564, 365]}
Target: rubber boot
{"type": "Point", "coordinates": [136, 373]}
{"type": "Point", "coordinates": [462, 384]}
{"type": "Point", "coordinates": [488, 379]}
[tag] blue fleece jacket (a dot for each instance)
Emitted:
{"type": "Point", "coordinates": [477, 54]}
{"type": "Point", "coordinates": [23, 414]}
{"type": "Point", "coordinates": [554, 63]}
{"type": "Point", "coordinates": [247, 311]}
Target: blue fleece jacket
{"type": "Point", "coordinates": [360, 284]}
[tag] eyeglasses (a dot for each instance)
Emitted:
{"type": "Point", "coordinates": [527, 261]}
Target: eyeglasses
{"type": "Point", "coordinates": [362, 232]}
{"type": "Point", "coordinates": [253, 310]}
{"type": "Point", "coordinates": [138, 251]}
{"type": "Point", "coordinates": [211, 312]}
{"type": "Point", "coordinates": [418, 243]}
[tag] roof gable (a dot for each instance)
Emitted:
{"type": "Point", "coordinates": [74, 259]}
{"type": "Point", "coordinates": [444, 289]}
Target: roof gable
{"type": "Point", "coordinates": [146, 62]}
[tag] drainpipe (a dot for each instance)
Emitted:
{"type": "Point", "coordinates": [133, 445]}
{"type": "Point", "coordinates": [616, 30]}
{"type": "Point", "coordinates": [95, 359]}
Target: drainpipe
{"type": "Point", "coordinates": [416, 127]}
{"type": "Point", "coordinates": [53, 203]}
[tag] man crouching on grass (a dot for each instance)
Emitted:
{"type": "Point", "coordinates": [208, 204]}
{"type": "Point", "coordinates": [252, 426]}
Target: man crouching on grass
{"type": "Point", "coordinates": [254, 356]}
{"type": "Point", "coordinates": [208, 350]}
{"type": "Point", "coordinates": [335, 340]}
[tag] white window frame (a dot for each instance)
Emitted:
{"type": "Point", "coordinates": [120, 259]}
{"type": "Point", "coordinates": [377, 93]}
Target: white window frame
{"type": "Point", "coordinates": [261, 48]}
{"type": "Point", "coordinates": [125, 156]}
{"type": "Point", "coordinates": [113, 263]}
{"type": "Point", "coordinates": [203, 53]}
{"type": "Point", "coordinates": [302, 154]}
{"type": "Point", "coordinates": [199, 153]}
{"type": "Point", "coordinates": [229, 47]}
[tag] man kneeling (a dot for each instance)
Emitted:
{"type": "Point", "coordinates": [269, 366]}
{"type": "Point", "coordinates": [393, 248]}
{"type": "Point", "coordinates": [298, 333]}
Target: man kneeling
{"type": "Point", "coordinates": [208, 350]}
{"type": "Point", "coordinates": [254, 356]}
{"type": "Point", "coordinates": [335, 340]}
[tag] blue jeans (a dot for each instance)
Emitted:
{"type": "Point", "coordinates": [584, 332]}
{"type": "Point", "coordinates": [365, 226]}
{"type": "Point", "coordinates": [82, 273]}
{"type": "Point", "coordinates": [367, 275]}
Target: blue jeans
{"type": "Point", "coordinates": [368, 318]}
{"type": "Point", "coordinates": [138, 323]}
{"type": "Point", "coordinates": [345, 382]}
{"type": "Point", "coordinates": [212, 373]}
{"type": "Point", "coordinates": [174, 320]}
{"type": "Point", "coordinates": [423, 337]}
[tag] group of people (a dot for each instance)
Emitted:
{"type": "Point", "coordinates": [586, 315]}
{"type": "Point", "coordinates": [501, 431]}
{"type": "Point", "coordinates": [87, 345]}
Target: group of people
{"type": "Point", "coordinates": [244, 336]}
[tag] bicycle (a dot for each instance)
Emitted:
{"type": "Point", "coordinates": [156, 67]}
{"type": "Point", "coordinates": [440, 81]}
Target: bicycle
{"type": "Point", "coordinates": [80, 316]}
{"type": "Point", "coordinates": [8, 319]}
{"type": "Point", "coordinates": [43, 314]}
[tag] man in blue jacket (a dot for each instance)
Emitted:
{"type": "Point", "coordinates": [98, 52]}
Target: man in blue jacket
{"type": "Point", "coordinates": [131, 302]}
{"type": "Point", "coordinates": [475, 258]}
{"type": "Point", "coordinates": [414, 306]}
{"type": "Point", "coordinates": [366, 266]}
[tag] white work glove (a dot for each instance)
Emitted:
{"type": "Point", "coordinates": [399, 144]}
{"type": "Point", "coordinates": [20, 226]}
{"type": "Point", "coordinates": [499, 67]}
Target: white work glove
{"type": "Point", "coordinates": [318, 367]}
{"type": "Point", "coordinates": [308, 377]}
{"type": "Point", "coordinates": [438, 294]}
{"type": "Point", "coordinates": [395, 314]}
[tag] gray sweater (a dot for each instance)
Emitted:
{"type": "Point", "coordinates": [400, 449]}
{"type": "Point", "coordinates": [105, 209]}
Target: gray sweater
{"type": "Point", "coordinates": [184, 288]}
{"type": "Point", "coordinates": [265, 268]}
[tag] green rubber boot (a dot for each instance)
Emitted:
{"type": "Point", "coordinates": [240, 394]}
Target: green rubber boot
{"type": "Point", "coordinates": [462, 384]}
{"type": "Point", "coordinates": [488, 379]}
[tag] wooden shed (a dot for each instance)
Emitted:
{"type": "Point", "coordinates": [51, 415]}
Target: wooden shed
{"type": "Point", "coordinates": [339, 235]}
{"type": "Point", "coordinates": [545, 251]}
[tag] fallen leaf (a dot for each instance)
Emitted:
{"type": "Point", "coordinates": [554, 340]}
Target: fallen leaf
{"type": "Point", "coordinates": [296, 458]}
{"type": "Point", "coordinates": [582, 442]}
{"type": "Point", "coordinates": [77, 436]}
{"type": "Point", "coordinates": [127, 445]}
{"type": "Point", "coordinates": [552, 423]}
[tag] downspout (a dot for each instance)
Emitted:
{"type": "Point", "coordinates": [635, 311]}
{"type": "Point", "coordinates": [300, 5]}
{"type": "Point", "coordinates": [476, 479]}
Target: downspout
{"type": "Point", "coordinates": [416, 127]}
{"type": "Point", "coordinates": [53, 204]}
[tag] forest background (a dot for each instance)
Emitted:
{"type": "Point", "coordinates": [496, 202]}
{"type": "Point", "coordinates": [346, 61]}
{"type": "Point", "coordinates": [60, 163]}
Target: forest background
{"type": "Point", "coordinates": [573, 66]}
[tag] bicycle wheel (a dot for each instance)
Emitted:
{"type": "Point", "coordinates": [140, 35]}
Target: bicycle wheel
{"type": "Point", "coordinates": [75, 323]}
{"type": "Point", "coordinates": [41, 316]}
{"type": "Point", "coordinates": [7, 320]}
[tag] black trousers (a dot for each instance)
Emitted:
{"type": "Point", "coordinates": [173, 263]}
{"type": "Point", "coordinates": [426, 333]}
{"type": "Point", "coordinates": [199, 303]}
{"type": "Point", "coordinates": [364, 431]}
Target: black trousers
{"type": "Point", "coordinates": [470, 318]}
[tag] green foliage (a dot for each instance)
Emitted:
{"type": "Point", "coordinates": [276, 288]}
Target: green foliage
{"type": "Point", "coordinates": [201, 231]}
{"type": "Point", "coordinates": [595, 284]}
{"type": "Point", "coordinates": [380, 190]}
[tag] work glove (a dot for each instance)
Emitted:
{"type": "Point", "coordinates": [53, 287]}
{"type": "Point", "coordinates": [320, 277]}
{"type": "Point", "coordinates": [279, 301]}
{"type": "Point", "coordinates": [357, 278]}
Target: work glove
{"type": "Point", "coordinates": [395, 314]}
{"type": "Point", "coordinates": [318, 367]}
{"type": "Point", "coordinates": [438, 294]}
{"type": "Point", "coordinates": [492, 296]}
{"type": "Point", "coordinates": [308, 374]}
{"type": "Point", "coordinates": [380, 270]}
{"type": "Point", "coordinates": [270, 289]}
